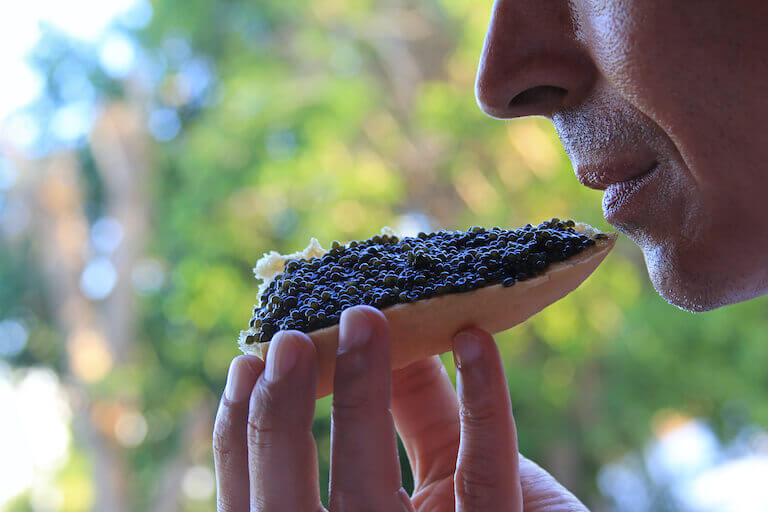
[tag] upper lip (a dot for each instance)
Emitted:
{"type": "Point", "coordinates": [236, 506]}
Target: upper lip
{"type": "Point", "coordinates": [603, 173]}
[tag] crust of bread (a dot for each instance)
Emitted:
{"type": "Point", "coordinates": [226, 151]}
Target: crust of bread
{"type": "Point", "coordinates": [426, 327]}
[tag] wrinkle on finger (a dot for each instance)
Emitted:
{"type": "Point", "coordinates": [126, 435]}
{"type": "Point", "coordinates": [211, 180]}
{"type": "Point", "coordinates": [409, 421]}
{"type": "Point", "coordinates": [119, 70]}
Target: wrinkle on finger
{"type": "Point", "coordinates": [542, 493]}
{"type": "Point", "coordinates": [414, 378]}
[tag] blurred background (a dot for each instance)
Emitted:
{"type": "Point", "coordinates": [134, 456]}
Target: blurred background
{"type": "Point", "coordinates": [150, 152]}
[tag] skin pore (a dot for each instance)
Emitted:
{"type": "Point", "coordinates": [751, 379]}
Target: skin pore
{"type": "Point", "coordinates": [675, 87]}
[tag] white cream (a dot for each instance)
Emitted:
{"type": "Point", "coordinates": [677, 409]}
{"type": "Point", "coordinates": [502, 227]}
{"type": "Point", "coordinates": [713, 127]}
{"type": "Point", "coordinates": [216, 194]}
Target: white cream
{"type": "Point", "coordinates": [586, 229]}
{"type": "Point", "coordinates": [272, 264]}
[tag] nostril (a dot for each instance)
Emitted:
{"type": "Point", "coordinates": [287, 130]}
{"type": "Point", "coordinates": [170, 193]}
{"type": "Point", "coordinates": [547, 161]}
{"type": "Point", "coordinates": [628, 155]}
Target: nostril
{"type": "Point", "coordinates": [539, 98]}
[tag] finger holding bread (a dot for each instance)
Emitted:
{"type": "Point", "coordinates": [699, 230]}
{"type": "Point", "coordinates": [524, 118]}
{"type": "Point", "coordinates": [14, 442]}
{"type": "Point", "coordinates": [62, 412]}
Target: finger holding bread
{"type": "Point", "coordinates": [365, 469]}
{"type": "Point", "coordinates": [230, 454]}
{"type": "Point", "coordinates": [282, 454]}
{"type": "Point", "coordinates": [487, 469]}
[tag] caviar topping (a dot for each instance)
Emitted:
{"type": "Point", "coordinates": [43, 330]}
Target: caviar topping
{"type": "Point", "coordinates": [311, 292]}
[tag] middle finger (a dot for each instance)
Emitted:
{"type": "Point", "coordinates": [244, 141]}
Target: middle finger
{"type": "Point", "coordinates": [365, 470]}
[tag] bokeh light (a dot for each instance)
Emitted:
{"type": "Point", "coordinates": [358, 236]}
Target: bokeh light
{"type": "Point", "coordinates": [199, 483]}
{"type": "Point", "coordinates": [98, 279]}
{"type": "Point", "coordinates": [33, 428]}
{"type": "Point", "coordinates": [13, 337]}
{"type": "Point", "coordinates": [106, 234]}
{"type": "Point", "coordinates": [164, 124]}
{"type": "Point", "coordinates": [72, 121]}
{"type": "Point", "coordinates": [130, 428]}
{"type": "Point", "coordinates": [117, 55]}
{"type": "Point", "coordinates": [89, 356]}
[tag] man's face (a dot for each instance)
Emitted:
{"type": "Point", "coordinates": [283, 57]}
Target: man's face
{"type": "Point", "coordinates": [662, 104]}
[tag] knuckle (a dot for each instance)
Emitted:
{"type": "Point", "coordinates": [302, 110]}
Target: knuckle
{"type": "Point", "coordinates": [225, 431]}
{"type": "Point", "coordinates": [478, 414]}
{"type": "Point", "coordinates": [543, 491]}
{"type": "Point", "coordinates": [262, 435]}
{"type": "Point", "coordinates": [274, 416]}
{"type": "Point", "coordinates": [265, 412]}
{"type": "Point", "coordinates": [354, 406]}
{"type": "Point", "coordinates": [357, 390]}
{"type": "Point", "coordinates": [222, 451]}
{"type": "Point", "coordinates": [222, 446]}
{"type": "Point", "coordinates": [261, 503]}
{"type": "Point", "coordinates": [367, 396]}
{"type": "Point", "coordinates": [358, 411]}
{"type": "Point", "coordinates": [343, 499]}
{"type": "Point", "coordinates": [476, 485]}
{"type": "Point", "coordinates": [258, 427]}
{"type": "Point", "coordinates": [553, 501]}
{"type": "Point", "coordinates": [417, 377]}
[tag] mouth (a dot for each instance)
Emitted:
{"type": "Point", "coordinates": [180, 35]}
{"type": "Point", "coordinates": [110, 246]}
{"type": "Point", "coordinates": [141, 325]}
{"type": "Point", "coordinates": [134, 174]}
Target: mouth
{"type": "Point", "coordinates": [619, 197]}
{"type": "Point", "coordinates": [622, 185]}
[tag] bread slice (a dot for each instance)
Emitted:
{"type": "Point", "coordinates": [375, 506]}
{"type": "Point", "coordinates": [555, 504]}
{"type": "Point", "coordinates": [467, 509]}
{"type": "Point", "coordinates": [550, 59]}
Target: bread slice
{"type": "Point", "coordinates": [426, 327]}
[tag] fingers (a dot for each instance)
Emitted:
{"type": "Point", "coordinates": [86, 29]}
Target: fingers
{"type": "Point", "coordinates": [365, 471]}
{"type": "Point", "coordinates": [426, 412]}
{"type": "Point", "coordinates": [487, 477]}
{"type": "Point", "coordinates": [542, 493]}
{"type": "Point", "coordinates": [281, 450]}
{"type": "Point", "coordinates": [230, 454]}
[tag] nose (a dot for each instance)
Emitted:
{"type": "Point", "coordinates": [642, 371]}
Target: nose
{"type": "Point", "coordinates": [532, 63]}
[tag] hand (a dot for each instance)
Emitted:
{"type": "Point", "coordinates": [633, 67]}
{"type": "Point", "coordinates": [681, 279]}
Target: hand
{"type": "Point", "coordinates": [463, 449]}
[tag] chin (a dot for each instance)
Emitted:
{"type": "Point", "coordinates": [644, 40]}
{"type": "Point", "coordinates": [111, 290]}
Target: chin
{"type": "Point", "coordinates": [696, 287]}
{"type": "Point", "coordinates": [687, 298]}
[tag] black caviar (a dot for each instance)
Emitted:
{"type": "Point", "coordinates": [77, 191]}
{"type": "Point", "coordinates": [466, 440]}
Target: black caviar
{"type": "Point", "coordinates": [385, 270]}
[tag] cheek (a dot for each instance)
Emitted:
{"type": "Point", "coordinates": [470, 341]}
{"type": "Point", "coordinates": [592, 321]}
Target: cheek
{"type": "Point", "coordinates": [651, 53]}
{"type": "Point", "coordinates": [679, 64]}
{"type": "Point", "coordinates": [636, 61]}
{"type": "Point", "coordinates": [689, 66]}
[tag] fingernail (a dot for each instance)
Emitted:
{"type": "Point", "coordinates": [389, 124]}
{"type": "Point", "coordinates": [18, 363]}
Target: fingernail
{"type": "Point", "coordinates": [466, 348]}
{"type": "Point", "coordinates": [354, 331]}
{"type": "Point", "coordinates": [281, 357]}
{"type": "Point", "coordinates": [240, 380]}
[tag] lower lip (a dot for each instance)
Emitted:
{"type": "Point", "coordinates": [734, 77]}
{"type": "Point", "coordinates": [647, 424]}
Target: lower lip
{"type": "Point", "coordinates": [622, 201]}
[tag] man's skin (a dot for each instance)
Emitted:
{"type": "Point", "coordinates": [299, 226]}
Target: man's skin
{"type": "Point", "coordinates": [659, 102]}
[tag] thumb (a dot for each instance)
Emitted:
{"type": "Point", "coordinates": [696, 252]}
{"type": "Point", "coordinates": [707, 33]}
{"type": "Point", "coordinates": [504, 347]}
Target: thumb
{"type": "Point", "coordinates": [542, 493]}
